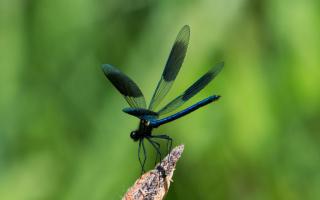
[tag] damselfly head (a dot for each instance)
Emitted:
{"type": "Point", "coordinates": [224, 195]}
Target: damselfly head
{"type": "Point", "coordinates": [134, 135]}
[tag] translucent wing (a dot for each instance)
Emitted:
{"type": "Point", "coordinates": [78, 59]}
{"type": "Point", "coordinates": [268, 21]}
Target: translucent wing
{"type": "Point", "coordinates": [192, 90]}
{"type": "Point", "coordinates": [173, 65]}
{"type": "Point", "coordinates": [125, 86]}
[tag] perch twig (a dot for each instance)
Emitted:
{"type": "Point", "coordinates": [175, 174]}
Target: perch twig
{"type": "Point", "coordinates": [154, 184]}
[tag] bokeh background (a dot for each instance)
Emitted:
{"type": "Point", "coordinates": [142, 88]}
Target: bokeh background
{"type": "Point", "coordinates": [63, 134]}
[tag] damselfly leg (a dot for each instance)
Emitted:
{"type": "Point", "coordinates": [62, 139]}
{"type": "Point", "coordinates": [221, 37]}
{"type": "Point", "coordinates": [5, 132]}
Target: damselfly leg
{"type": "Point", "coordinates": [167, 138]}
{"type": "Point", "coordinates": [156, 146]}
{"type": "Point", "coordinates": [142, 162]}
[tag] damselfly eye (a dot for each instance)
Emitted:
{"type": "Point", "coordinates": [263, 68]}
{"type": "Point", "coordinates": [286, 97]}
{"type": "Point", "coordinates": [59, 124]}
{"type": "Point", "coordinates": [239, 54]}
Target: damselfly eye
{"type": "Point", "coordinates": [134, 135]}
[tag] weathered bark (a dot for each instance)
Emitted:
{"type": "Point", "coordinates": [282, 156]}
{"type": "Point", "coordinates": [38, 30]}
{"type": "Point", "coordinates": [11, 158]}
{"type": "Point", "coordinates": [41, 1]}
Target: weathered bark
{"type": "Point", "coordinates": [154, 184]}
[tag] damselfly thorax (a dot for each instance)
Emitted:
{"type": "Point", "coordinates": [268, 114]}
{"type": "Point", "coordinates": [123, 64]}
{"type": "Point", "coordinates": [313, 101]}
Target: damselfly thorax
{"type": "Point", "coordinates": [144, 130]}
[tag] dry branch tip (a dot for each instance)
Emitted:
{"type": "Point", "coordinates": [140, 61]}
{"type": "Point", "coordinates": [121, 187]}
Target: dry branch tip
{"type": "Point", "coordinates": [155, 183]}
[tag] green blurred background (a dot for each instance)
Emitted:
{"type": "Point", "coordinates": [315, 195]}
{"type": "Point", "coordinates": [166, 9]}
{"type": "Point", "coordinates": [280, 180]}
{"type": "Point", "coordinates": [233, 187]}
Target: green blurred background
{"type": "Point", "coordinates": [63, 134]}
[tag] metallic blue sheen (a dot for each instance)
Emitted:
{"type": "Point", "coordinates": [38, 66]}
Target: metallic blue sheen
{"type": "Point", "coordinates": [155, 123]}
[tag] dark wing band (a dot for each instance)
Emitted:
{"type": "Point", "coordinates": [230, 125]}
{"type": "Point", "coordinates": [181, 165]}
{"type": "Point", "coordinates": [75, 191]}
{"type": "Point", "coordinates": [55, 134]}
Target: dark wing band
{"type": "Point", "coordinates": [192, 90]}
{"type": "Point", "coordinates": [125, 86]}
{"type": "Point", "coordinates": [173, 65]}
{"type": "Point", "coordinates": [141, 113]}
